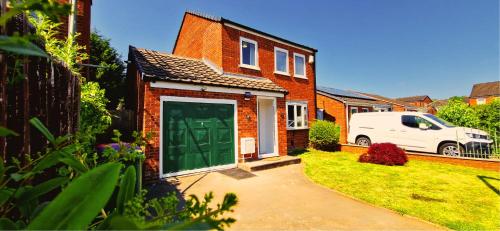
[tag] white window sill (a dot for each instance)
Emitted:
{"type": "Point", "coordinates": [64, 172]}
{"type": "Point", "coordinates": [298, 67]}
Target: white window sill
{"type": "Point", "coordinates": [250, 67]}
{"type": "Point", "coordinates": [300, 76]}
{"type": "Point", "coordinates": [281, 73]}
{"type": "Point", "coordinates": [295, 129]}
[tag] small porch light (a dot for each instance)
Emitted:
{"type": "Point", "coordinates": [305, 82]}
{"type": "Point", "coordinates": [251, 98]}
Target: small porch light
{"type": "Point", "coordinates": [248, 95]}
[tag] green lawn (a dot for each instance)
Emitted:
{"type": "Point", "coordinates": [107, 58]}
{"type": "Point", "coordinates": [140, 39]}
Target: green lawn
{"type": "Point", "coordinates": [453, 196]}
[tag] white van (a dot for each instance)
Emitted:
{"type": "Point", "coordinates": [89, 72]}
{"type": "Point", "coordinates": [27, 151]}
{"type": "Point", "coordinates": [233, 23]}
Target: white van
{"type": "Point", "coordinates": [416, 131]}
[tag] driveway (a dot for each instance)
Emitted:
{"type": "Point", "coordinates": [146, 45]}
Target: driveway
{"type": "Point", "coordinates": [283, 198]}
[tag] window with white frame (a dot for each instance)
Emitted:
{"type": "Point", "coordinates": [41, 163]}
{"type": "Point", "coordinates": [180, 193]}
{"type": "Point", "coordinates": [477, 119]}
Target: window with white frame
{"type": "Point", "coordinates": [280, 61]}
{"type": "Point", "coordinates": [480, 101]}
{"type": "Point", "coordinates": [365, 109]}
{"type": "Point", "coordinates": [249, 56]}
{"type": "Point", "coordinates": [296, 115]}
{"type": "Point", "coordinates": [299, 65]}
{"type": "Point", "coordinates": [354, 110]}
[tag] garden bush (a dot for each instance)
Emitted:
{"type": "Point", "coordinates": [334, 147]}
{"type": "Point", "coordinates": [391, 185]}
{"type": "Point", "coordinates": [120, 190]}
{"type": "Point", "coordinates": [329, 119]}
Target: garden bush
{"type": "Point", "coordinates": [384, 153]}
{"type": "Point", "coordinates": [324, 135]}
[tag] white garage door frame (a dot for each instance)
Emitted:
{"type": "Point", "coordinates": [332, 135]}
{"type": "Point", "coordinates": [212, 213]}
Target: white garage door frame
{"type": "Point", "coordinates": [198, 100]}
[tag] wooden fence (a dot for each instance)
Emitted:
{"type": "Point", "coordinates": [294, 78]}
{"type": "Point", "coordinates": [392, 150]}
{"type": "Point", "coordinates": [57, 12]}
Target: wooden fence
{"type": "Point", "coordinates": [37, 87]}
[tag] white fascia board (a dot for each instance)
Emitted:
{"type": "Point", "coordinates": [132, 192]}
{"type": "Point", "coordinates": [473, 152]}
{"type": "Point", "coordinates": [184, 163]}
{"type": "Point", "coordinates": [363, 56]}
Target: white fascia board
{"type": "Point", "coordinates": [207, 88]}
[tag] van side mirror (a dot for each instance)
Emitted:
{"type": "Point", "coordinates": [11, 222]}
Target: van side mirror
{"type": "Point", "coordinates": [423, 126]}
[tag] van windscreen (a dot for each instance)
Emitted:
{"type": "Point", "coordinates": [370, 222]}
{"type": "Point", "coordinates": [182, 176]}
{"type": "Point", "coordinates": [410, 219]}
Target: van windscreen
{"type": "Point", "coordinates": [440, 121]}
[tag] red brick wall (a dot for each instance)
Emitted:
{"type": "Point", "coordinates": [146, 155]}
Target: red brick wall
{"type": "Point", "coordinates": [473, 101]}
{"type": "Point", "coordinates": [299, 89]}
{"type": "Point", "coordinates": [82, 27]}
{"type": "Point", "coordinates": [247, 121]}
{"type": "Point", "coordinates": [199, 38]}
{"type": "Point", "coordinates": [334, 111]}
{"type": "Point", "coordinates": [396, 107]}
{"type": "Point", "coordinates": [203, 38]}
{"type": "Point", "coordinates": [482, 164]}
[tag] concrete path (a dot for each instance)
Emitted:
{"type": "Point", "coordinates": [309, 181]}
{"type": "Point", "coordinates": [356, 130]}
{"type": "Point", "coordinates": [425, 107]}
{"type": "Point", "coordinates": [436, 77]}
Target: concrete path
{"type": "Point", "coordinates": [283, 198]}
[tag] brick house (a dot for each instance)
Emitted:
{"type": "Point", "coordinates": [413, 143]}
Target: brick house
{"type": "Point", "coordinates": [422, 102]}
{"type": "Point", "coordinates": [226, 94]}
{"type": "Point", "coordinates": [338, 105]}
{"type": "Point", "coordinates": [396, 105]}
{"type": "Point", "coordinates": [84, 9]}
{"type": "Point", "coordinates": [484, 93]}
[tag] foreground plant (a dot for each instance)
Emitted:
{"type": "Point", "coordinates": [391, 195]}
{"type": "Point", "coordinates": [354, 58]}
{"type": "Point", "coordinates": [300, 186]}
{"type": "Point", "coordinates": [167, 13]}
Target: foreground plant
{"type": "Point", "coordinates": [84, 194]}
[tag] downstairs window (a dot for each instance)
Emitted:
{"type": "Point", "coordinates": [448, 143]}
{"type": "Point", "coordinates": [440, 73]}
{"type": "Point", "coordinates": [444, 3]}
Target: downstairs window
{"type": "Point", "coordinates": [296, 115]}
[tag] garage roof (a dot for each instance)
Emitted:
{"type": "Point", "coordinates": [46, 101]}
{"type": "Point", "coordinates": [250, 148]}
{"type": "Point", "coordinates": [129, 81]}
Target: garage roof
{"type": "Point", "coordinates": [167, 67]}
{"type": "Point", "coordinates": [350, 97]}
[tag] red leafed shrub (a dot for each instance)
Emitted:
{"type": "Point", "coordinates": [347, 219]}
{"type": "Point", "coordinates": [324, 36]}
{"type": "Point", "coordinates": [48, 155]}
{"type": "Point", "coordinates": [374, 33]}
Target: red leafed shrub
{"type": "Point", "coordinates": [384, 153]}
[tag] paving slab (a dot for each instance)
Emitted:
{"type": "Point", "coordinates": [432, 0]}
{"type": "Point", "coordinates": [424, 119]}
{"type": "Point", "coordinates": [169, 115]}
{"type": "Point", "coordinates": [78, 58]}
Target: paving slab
{"type": "Point", "coordinates": [284, 198]}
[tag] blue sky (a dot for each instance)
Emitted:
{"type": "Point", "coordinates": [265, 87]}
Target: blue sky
{"type": "Point", "coordinates": [389, 47]}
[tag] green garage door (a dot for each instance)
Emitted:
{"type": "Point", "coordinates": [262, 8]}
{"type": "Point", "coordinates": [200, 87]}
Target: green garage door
{"type": "Point", "coordinates": [197, 135]}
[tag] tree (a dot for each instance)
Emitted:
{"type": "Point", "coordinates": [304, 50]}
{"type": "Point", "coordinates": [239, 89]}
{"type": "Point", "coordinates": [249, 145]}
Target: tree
{"type": "Point", "coordinates": [459, 113]}
{"type": "Point", "coordinates": [489, 115]}
{"type": "Point", "coordinates": [110, 73]}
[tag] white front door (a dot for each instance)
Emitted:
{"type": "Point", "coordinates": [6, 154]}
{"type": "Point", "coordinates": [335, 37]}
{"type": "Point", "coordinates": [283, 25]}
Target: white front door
{"type": "Point", "coordinates": [266, 110]}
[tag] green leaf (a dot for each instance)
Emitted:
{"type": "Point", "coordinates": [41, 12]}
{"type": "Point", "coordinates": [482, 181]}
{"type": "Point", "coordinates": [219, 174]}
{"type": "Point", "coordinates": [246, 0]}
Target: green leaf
{"type": "Point", "coordinates": [7, 132]}
{"type": "Point", "coordinates": [42, 189]}
{"type": "Point", "coordinates": [81, 201]}
{"type": "Point", "coordinates": [118, 222]}
{"type": "Point", "coordinates": [5, 194]}
{"type": "Point", "coordinates": [21, 46]}
{"type": "Point", "coordinates": [74, 163]}
{"type": "Point", "coordinates": [7, 224]}
{"type": "Point", "coordinates": [18, 176]}
{"type": "Point", "coordinates": [39, 125]}
{"type": "Point", "coordinates": [54, 157]}
{"type": "Point", "coordinates": [69, 159]}
{"type": "Point", "coordinates": [127, 189]}
{"type": "Point", "coordinates": [48, 161]}
{"type": "Point", "coordinates": [20, 224]}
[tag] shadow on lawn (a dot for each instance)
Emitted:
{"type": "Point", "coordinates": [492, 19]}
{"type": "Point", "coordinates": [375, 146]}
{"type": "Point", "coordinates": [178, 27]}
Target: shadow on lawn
{"type": "Point", "coordinates": [485, 179]}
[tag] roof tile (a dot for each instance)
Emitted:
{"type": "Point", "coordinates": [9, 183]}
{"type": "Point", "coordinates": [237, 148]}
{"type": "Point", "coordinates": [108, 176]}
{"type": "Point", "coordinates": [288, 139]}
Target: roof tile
{"type": "Point", "coordinates": [167, 67]}
{"type": "Point", "coordinates": [485, 89]}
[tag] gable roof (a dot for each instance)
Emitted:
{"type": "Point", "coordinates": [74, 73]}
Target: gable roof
{"type": "Point", "coordinates": [156, 65]}
{"type": "Point", "coordinates": [349, 97]}
{"type": "Point", "coordinates": [226, 21]}
{"type": "Point", "coordinates": [485, 89]}
{"type": "Point", "coordinates": [413, 98]}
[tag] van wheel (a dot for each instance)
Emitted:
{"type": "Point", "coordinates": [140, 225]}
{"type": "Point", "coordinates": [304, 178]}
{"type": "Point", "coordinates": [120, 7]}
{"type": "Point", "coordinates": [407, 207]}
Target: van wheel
{"type": "Point", "coordinates": [450, 149]}
{"type": "Point", "coordinates": [363, 141]}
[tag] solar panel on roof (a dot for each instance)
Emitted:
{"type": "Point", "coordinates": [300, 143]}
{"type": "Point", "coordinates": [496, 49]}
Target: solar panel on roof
{"type": "Point", "coordinates": [339, 92]}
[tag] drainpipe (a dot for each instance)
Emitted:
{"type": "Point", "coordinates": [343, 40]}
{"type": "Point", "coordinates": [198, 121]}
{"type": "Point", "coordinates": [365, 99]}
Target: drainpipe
{"type": "Point", "coordinates": [72, 17]}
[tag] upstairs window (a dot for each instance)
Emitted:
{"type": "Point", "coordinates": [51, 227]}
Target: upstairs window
{"type": "Point", "coordinates": [280, 61]}
{"type": "Point", "coordinates": [296, 115]}
{"type": "Point", "coordinates": [248, 53]}
{"type": "Point", "coordinates": [299, 65]}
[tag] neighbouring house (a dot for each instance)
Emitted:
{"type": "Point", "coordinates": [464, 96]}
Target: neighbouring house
{"type": "Point", "coordinates": [338, 105]}
{"type": "Point", "coordinates": [417, 101]}
{"type": "Point", "coordinates": [227, 93]}
{"type": "Point", "coordinates": [84, 9]}
{"type": "Point", "coordinates": [484, 93]}
{"type": "Point", "coordinates": [396, 105]}
{"type": "Point", "coordinates": [439, 103]}
{"type": "Point", "coordinates": [422, 102]}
